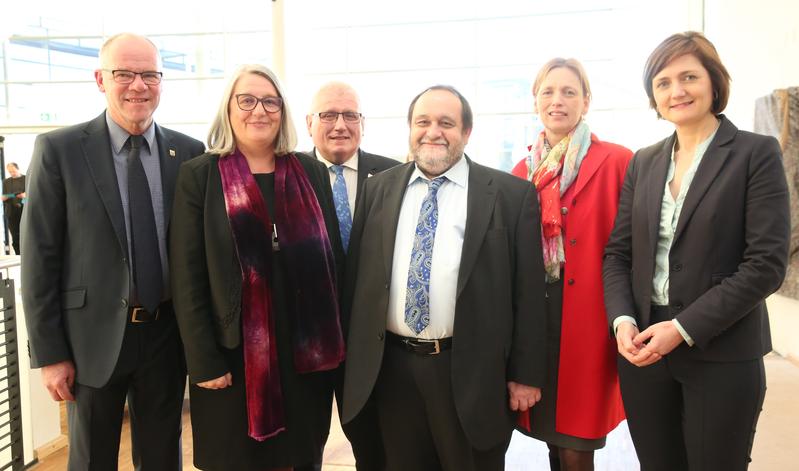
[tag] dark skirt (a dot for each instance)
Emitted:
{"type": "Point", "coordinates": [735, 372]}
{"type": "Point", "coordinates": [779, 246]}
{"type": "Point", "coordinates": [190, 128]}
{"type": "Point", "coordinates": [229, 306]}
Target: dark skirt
{"type": "Point", "coordinates": [219, 417]}
{"type": "Point", "coordinates": [543, 414]}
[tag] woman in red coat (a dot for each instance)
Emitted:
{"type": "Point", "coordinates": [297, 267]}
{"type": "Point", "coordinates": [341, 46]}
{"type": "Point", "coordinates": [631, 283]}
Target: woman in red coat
{"type": "Point", "coordinates": [579, 179]}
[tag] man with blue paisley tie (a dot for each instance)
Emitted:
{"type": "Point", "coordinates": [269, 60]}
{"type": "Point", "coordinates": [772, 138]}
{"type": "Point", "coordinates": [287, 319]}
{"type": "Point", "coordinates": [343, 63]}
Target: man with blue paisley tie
{"type": "Point", "coordinates": [445, 289]}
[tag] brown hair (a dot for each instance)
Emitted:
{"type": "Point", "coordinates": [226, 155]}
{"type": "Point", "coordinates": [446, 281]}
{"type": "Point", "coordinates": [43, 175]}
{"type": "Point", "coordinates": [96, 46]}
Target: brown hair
{"type": "Point", "coordinates": [696, 44]}
{"type": "Point", "coordinates": [466, 111]}
{"type": "Point", "coordinates": [571, 64]}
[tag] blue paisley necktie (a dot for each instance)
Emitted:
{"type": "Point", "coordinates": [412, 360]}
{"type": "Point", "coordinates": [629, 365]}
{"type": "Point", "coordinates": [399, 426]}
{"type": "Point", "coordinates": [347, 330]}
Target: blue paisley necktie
{"type": "Point", "coordinates": [417, 296]}
{"type": "Point", "coordinates": [342, 202]}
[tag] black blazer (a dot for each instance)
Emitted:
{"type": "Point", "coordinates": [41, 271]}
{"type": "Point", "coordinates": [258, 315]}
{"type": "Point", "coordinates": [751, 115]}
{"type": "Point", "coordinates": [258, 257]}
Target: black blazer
{"type": "Point", "coordinates": [206, 275]}
{"type": "Point", "coordinates": [499, 331]}
{"type": "Point", "coordinates": [730, 249]}
{"type": "Point", "coordinates": [75, 270]}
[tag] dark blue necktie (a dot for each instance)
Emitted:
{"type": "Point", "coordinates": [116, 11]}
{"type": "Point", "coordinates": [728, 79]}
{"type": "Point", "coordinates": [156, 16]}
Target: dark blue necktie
{"type": "Point", "coordinates": [342, 201]}
{"type": "Point", "coordinates": [146, 258]}
{"type": "Point", "coordinates": [417, 296]}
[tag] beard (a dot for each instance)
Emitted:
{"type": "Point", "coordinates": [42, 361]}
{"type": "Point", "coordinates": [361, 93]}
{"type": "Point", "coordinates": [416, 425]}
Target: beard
{"type": "Point", "coordinates": [436, 160]}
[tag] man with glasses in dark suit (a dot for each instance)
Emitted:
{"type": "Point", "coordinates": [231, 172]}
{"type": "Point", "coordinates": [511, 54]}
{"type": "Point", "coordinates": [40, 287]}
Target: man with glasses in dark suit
{"type": "Point", "coordinates": [95, 267]}
{"type": "Point", "coordinates": [336, 125]}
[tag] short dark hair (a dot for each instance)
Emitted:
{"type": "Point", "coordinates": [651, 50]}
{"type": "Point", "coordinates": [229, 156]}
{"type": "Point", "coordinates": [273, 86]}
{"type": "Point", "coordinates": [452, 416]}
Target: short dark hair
{"type": "Point", "coordinates": [13, 164]}
{"type": "Point", "coordinates": [696, 44]}
{"type": "Point", "coordinates": [466, 111]}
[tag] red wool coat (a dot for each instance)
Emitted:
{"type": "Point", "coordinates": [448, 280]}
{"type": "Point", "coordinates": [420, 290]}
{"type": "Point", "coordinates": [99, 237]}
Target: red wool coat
{"type": "Point", "coordinates": [589, 401]}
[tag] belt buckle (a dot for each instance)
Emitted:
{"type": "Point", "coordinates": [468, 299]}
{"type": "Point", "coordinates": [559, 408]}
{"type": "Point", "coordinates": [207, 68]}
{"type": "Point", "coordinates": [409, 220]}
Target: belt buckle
{"type": "Point", "coordinates": [135, 319]}
{"type": "Point", "coordinates": [435, 342]}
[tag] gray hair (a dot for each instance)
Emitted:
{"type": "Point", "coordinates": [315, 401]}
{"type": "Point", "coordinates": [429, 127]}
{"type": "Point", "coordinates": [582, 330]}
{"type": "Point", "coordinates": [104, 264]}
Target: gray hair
{"type": "Point", "coordinates": [220, 137]}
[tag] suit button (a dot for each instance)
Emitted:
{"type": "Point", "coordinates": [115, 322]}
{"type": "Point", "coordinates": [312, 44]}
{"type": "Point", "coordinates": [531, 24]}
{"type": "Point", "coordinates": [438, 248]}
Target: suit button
{"type": "Point", "coordinates": [678, 307]}
{"type": "Point", "coordinates": [380, 335]}
{"type": "Point", "coordinates": [386, 285]}
{"type": "Point", "coordinates": [564, 210]}
{"type": "Point", "coordinates": [677, 267]}
{"type": "Point", "coordinates": [124, 259]}
{"type": "Point", "coordinates": [573, 242]}
{"type": "Point", "coordinates": [124, 302]}
{"type": "Point", "coordinates": [574, 202]}
{"type": "Point", "coordinates": [571, 281]}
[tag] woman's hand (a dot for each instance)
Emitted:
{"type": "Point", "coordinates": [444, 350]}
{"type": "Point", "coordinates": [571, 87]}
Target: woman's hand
{"type": "Point", "coordinates": [625, 335]}
{"type": "Point", "coordinates": [218, 383]}
{"type": "Point", "coordinates": [658, 340]}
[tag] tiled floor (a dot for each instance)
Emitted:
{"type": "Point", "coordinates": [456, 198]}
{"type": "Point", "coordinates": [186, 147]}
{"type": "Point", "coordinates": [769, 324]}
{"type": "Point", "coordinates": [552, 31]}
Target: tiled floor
{"type": "Point", "coordinates": [776, 444]}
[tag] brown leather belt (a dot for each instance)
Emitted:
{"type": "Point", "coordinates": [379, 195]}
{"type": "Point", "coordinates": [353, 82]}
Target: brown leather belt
{"type": "Point", "coordinates": [420, 346]}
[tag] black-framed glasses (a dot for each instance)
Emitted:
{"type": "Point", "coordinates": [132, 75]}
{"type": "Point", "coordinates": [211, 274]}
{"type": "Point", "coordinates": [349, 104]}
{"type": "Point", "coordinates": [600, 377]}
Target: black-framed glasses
{"type": "Point", "coordinates": [150, 77]}
{"type": "Point", "coordinates": [247, 102]}
{"type": "Point", "coordinates": [332, 116]}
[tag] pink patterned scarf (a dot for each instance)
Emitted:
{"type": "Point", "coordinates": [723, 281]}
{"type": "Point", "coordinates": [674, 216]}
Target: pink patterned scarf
{"type": "Point", "coordinates": [317, 339]}
{"type": "Point", "coordinates": [552, 171]}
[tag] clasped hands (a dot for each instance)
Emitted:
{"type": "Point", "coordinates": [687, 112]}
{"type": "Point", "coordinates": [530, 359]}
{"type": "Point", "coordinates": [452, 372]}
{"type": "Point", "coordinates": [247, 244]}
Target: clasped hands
{"type": "Point", "coordinates": [647, 347]}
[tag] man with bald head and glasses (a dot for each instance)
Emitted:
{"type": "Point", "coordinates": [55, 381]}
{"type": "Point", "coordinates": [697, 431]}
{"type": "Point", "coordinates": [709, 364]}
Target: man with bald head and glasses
{"type": "Point", "coordinates": [336, 125]}
{"type": "Point", "coordinates": [97, 299]}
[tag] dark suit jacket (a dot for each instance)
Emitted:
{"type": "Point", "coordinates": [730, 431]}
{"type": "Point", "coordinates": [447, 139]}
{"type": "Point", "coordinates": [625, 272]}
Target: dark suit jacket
{"type": "Point", "coordinates": [499, 330]}
{"type": "Point", "coordinates": [75, 274]}
{"type": "Point", "coordinates": [730, 247]}
{"type": "Point", "coordinates": [368, 166]}
{"type": "Point", "coordinates": [206, 275]}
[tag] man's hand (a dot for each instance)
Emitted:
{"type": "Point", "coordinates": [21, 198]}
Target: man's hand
{"type": "Point", "coordinates": [59, 378]}
{"type": "Point", "coordinates": [522, 397]}
{"type": "Point", "coordinates": [219, 383]}
{"type": "Point", "coordinates": [657, 340]}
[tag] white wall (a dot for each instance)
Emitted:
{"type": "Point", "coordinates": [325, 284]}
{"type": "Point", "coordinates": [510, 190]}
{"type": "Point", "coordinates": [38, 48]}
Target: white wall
{"type": "Point", "coordinates": [759, 44]}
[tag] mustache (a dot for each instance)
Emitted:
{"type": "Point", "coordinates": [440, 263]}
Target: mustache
{"type": "Point", "coordinates": [434, 141]}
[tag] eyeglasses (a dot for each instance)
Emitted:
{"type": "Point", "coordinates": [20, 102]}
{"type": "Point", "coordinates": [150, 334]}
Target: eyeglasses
{"type": "Point", "coordinates": [332, 116]}
{"type": "Point", "coordinates": [247, 102]}
{"type": "Point", "coordinates": [128, 76]}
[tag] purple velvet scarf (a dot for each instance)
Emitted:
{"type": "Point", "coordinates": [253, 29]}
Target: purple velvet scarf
{"type": "Point", "coordinates": [310, 283]}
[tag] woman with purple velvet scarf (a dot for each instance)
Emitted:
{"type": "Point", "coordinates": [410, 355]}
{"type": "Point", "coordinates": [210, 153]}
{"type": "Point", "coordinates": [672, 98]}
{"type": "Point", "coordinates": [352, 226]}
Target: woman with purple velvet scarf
{"type": "Point", "coordinates": [253, 247]}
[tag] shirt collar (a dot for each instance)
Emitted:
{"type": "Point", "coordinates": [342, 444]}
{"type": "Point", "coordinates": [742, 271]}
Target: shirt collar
{"type": "Point", "coordinates": [458, 173]}
{"type": "Point", "coordinates": [119, 136]}
{"type": "Point", "coordinates": [351, 163]}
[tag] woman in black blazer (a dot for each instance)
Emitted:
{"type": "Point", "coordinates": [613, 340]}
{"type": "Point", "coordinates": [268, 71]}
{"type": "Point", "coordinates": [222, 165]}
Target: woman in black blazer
{"type": "Point", "coordinates": [253, 247]}
{"type": "Point", "coordinates": [700, 240]}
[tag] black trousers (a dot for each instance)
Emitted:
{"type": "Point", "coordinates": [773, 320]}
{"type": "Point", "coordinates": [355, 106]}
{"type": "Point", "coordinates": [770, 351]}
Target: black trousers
{"type": "Point", "coordinates": [363, 433]}
{"type": "Point", "coordinates": [14, 216]}
{"type": "Point", "coordinates": [686, 414]}
{"type": "Point", "coordinates": [151, 374]}
{"type": "Point", "coordinates": [419, 425]}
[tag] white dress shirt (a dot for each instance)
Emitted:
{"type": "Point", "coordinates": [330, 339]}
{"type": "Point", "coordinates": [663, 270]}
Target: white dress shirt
{"type": "Point", "coordinates": [350, 176]}
{"type": "Point", "coordinates": [446, 252]}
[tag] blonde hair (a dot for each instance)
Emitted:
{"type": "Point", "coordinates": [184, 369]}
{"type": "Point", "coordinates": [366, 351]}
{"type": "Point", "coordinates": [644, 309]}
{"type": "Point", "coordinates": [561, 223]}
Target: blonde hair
{"type": "Point", "coordinates": [571, 64]}
{"type": "Point", "coordinates": [220, 137]}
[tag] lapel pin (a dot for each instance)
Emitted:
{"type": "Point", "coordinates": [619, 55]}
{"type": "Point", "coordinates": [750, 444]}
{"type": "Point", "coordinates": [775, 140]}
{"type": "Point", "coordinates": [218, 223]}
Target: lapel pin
{"type": "Point", "coordinates": [172, 152]}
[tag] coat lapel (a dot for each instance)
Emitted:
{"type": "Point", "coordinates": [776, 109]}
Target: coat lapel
{"type": "Point", "coordinates": [654, 191]}
{"type": "Point", "coordinates": [97, 153]}
{"type": "Point", "coordinates": [482, 195]}
{"type": "Point", "coordinates": [591, 163]}
{"type": "Point", "coordinates": [170, 164]}
{"type": "Point", "coordinates": [711, 164]}
{"type": "Point", "coordinates": [393, 192]}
